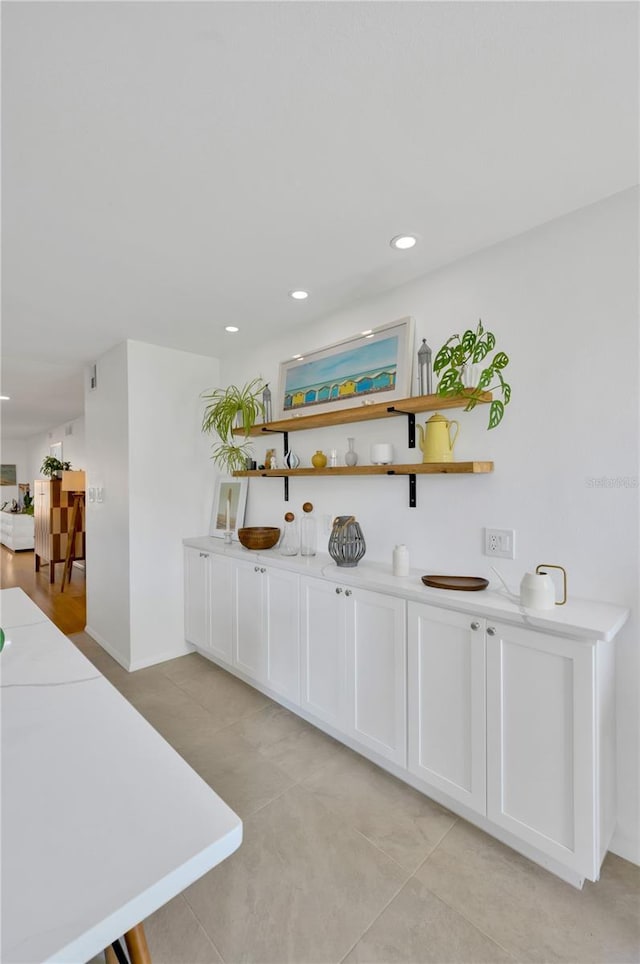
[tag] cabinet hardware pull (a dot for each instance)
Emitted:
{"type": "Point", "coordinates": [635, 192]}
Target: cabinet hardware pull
{"type": "Point", "coordinates": [338, 590]}
{"type": "Point", "coordinates": [204, 555]}
{"type": "Point", "coordinates": [262, 569]}
{"type": "Point", "coordinates": [256, 568]}
{"type": "Point", "coordinates": [475, 625]}
{"type": "Point", "coordinates": [348, 592]}
{"type": "Point", "coordinates": [491, 630]}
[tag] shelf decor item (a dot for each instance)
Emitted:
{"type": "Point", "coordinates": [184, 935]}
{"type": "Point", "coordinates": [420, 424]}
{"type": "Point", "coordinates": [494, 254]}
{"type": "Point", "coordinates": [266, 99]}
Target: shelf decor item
{"type": "Point", "coordinates": [351, 456]}
{"type": "Point", "coordinates": [258, 537]}
{"type": "Point", "coordinates": [229, 503]}
{"type": "Point", "coordinates": [424, 369]}
{"type": "Point", "coordinates": [455, 357]}
{"type": "Point", "coordinates": [291, 460]}
{"type": "Point", "coordinates": [346, 542]}
{"type": "Point", "coordinates": [308, 531]}
{"type": "Point", "coordinates": [226, 407]}
{"type": "Point", "coordinates": [52, 467]}
{"type": "Point", "coordinates": [319, 460]}
{"type": "Point", "coordinates": [289, 543]}
{"type": "Point", "coordinates": [371, 366]}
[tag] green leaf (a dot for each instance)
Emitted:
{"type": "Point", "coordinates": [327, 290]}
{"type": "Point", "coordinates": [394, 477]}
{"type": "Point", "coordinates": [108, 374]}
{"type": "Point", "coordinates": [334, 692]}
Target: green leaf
{"type": "Point", "coordinates": [495, 413]}
{"type": "Point", "coordinates": [480, 329]}
{"type": "Point", "coordinates": [471, 404]}
{"type": "Point", "coordinates": [506, 392]}
{"type": "Point", "coordinates": [485, 377]}
{"type": "Point", "coordinates": [490, 339]}
{"type": "Point", "coordinates": [450, 383]}
{"type": "Point", "coordinates": [500, 360]}
{"type": "Point", "coordinates": [459, 355]}
{"type": "Point", "coordinates": [480, 351]}
{"type": "Point", "coordinates": [468, 340]}
{"type": "Point", "coordinates": [442, 359]}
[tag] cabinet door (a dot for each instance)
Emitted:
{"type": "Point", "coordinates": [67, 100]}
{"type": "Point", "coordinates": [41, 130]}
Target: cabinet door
{"type": "Point", "coordinates": [221, 607]}
{"type": "Point", "coordinates": [376, 671]}
{"type": "Point", "coordinates": [282, 632]}
{"type": "Point", "coordinates": [541, 754]}
{"type": "Point", "coordinates": [248, 619]}
{"type": "Point", "coordinates": [323, 651]}
{"type": "Point", "coordinates": [196, 597]}
{"type": "Point", "coordinates": [447, 703]}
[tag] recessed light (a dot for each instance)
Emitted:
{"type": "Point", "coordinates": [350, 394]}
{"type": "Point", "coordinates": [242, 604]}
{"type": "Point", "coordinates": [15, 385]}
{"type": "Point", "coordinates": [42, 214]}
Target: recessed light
{"type": "Point", "coordinates": [369, 331]}
{"type": "Point", "coordinates": [299, 294]}
{"type": "Point", "coordinates": [296, 356]}
{"type": "Point", "coordinates": [370, 336]}
{"type": "Point", "coordinates": [231, 328]}
{"type": "Point", "coordinates": [5, 398]}
{"type": "Point", "coordinates": [403, 241]}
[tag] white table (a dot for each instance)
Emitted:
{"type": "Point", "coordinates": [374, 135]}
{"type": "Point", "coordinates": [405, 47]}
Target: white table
{"type": "Point", "coordinates": [102, 821]}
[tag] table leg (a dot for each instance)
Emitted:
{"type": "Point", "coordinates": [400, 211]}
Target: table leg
{"type": "Point", "coordinates": [137, 945]}
{"type": "Point", "coordinates": [110, 956]}
{"type": "Point", "coordinates": [52, 572]}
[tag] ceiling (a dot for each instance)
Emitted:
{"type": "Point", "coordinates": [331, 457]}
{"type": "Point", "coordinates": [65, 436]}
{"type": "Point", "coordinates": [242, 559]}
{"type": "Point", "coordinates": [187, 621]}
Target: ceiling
{"type": "Point", "coordinates": [172, 168]}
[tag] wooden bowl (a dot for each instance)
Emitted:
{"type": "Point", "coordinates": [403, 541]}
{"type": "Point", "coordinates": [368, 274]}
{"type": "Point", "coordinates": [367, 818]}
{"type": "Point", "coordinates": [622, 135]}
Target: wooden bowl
{"type": "Point", "coordinates": [259, 537]}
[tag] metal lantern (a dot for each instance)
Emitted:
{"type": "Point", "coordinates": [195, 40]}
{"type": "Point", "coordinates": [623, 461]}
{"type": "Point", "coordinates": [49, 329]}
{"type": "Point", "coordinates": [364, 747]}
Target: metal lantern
{"type": "Point", "coordinates": [424, 369]}
{"type": "Point", "coordinates": [346, 542]}
{"type": "Point", "coordinates": [266, 401]}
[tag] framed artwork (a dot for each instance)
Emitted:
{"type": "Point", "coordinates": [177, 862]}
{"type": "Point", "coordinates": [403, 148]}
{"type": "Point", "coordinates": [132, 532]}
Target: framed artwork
{"type": "Point", "coordinates": [229, 501]}
{"type": "Point", "coordinates": [55, 451]}
{"type": "Point", "coordinates": [8, 475]}
{"type": "Point", "coordinates": [373, 366]}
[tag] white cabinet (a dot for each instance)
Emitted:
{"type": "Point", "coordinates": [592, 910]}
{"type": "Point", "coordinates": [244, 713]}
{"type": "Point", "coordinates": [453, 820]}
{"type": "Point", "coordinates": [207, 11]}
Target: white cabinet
{"type": "Point", "coordinates": [266, 627]}
{"type": "Point", "coordinates": [446, 661]}
{"type": "Point", "coordinates": [549, 705]}
{"type": "Point", "coordinates": [354, 669]}
{"type": "Point", "coordinates": [208, 611]}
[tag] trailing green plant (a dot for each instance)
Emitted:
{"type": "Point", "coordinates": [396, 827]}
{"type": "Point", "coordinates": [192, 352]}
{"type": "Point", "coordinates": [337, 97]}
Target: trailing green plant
{"type": "Point", "coordinates": [227, 409]}
{"type": "Point", "coordinates": [471, 348]}
{"type": "Point", "coordinates": [51, 466]}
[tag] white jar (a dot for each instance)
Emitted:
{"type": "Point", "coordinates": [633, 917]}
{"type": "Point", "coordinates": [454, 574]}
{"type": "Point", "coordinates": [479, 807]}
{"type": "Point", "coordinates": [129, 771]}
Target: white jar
{"type": "Point", "coordinates": [401, 561]}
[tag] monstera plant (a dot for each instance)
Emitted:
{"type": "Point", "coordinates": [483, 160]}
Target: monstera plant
{"type": "Point", "coordinates": [470, 349]}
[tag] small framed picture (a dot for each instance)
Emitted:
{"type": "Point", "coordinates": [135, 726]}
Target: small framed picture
{"type": "Point", "coordinates": [229, 501]}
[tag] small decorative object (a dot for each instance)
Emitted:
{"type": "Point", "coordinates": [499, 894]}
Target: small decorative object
{"type": "Point", "coordinates": [457, 583]}
{"type": "Point", "coordinates": [424, 369]}
{"type": "Point", "coordinates": [381, 453]}
{"type": "Point", "coordinates": [537, 590]}
{"type": "Point", "coordinates": [267, 415]}
{"type": "Point", "coordinates": [351, 456]}
{"type": "Point", "coordinates": [228, 537]}
{"type": "Point", "coordinates": [227, 406]}
{"type": "Point", "coordinates": [270, 457]}
{"type": "Point", "coordinates": [333, 459]}
{"type": "Point", "coordinates": [259, 537]}
{"type": "Point", "coordinates": [473, 347]}
{"type": "Point", "coordinates": [289, 544]}
{"type": "Point", "coordinates": [319, 460]}
{"type": "Point", "coordinates": [435, 439]}
{"type": "Point", "coordinates": [273, 462]}
{"type": "Point", "coordinates": [401, 561]}
{"type": "Point", "coordinates": [308, 531]}
{"type": "Point", "coordinates": [291, 460]}
{"type": "Point", "coordinates": [346, 542]}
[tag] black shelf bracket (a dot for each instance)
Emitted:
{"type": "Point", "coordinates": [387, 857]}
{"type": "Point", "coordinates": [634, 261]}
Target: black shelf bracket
{"type": "Point", "coordinates": [411, 424]}
{"type": "Point", "coordinates": [412, 487]}
{"type": "Point", "coordinates": [285, 435]}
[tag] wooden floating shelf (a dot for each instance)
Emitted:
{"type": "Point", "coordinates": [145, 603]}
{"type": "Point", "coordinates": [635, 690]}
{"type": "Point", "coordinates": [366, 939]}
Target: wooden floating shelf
{"type": "Point", "coordinates": [366, 413]}
{"type": "Point", "coordinates": [418, 468]}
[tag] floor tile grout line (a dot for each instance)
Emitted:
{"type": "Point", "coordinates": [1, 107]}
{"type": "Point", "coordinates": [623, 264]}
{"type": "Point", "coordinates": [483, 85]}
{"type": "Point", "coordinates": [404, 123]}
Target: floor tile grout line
{"type": "Point", "coordinates": [208, 935]}
{"type": "Point", "coordinates": [372, 922]}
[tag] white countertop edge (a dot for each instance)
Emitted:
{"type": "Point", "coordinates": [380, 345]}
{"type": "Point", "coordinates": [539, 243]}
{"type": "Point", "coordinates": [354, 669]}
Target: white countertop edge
{"type": "Point", "coordinates": [145, 904]}
{"type": "Point", "coordinates": [579, 618]}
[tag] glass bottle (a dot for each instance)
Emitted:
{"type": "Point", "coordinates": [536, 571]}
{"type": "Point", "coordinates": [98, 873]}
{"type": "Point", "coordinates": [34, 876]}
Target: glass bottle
{"type": "Point", "coordinates": [289, 543]}
{"type": "Point", "coordinates": [351, 456]}
{"type": "Point", "coordinates": [308, 531]}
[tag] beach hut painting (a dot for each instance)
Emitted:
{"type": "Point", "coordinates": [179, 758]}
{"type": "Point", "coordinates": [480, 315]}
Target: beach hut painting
{"type": "Point", "coordinates": [370, 367]}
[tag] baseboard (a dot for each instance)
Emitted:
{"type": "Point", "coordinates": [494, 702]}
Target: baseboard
{"type": "Point", "coordinates": [108, 648]}
{"type": "Point", "coordinates": [161, 658]}
{"type": "Point", "coordinates": [625, 847]}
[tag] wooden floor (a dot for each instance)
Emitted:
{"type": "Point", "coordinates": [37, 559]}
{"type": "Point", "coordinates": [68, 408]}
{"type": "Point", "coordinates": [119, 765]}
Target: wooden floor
{"type": "Point", "coordinates": [66, 609]}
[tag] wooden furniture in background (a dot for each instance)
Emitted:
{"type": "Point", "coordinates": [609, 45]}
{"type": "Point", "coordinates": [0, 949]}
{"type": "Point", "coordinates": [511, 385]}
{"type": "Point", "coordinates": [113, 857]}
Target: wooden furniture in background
{"type": "Point", "coordinates": [73, 483]}
{"type": "Point", "coordinates": [53, 510]}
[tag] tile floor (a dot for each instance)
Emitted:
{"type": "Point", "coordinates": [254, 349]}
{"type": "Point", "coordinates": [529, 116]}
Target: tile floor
{"type": "Point", "coordinates": [341, 861]}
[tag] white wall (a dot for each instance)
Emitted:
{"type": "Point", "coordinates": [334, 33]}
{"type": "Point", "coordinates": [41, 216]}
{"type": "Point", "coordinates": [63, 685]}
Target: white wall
{"type": "Point", "coordinates": [170, 488]}
{"type": "Point", "coordinates": [562, 301]}
{"type": "Point", "coordinates": [107, 522]}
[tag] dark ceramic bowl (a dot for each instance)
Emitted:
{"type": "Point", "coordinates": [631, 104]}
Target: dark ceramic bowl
{"type": "Point", "coordinates": [259, 537]}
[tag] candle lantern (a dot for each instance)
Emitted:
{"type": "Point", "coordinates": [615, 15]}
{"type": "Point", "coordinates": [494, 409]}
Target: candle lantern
{"type": "Point", "coordinates": [424, 369]}
{"type": "Point", "coordinates": [266, 401]}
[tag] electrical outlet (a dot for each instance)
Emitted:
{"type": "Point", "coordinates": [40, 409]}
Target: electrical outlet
{"type": "Point", "coordinates": [500, 543]}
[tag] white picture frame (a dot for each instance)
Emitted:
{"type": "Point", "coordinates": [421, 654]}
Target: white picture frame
{"type": "Point", "coordinates": [229, 503]}
{"type": "Point", "coordinates": [372, 366]}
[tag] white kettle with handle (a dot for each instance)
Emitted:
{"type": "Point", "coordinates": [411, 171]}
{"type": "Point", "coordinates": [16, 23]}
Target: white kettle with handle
{"type": "Point", "coordinates": [537, 590]}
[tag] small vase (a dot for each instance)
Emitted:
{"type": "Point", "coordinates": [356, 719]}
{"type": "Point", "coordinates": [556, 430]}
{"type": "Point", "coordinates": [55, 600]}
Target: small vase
{"type": "Point", "coordinates": [291, 460]}
{"type": "Point", "coordinates": [351, 456]}
{"type": "Point", "coordinates": [319, 460]}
